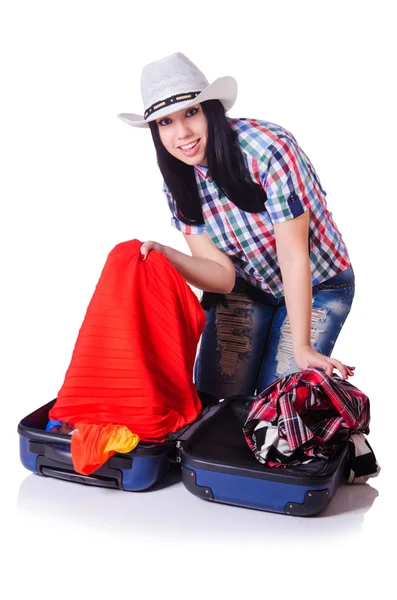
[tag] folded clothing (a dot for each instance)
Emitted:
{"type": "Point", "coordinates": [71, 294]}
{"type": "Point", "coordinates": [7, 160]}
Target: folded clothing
{"type": "Point", "coordinates": [309, 415]}
{"type": "Point", "coordinates": [59, 427]}
{"type": "Point", "coordinates": [132, 363]}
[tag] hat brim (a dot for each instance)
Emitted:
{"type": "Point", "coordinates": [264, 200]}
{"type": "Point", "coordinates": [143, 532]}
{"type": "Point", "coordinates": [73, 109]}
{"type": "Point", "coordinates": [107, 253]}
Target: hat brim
{"type": "Point", "coordinates": [223, 89]}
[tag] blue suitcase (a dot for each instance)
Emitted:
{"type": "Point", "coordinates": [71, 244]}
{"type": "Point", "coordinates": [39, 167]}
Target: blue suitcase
{"type": "Point", "coordinates": [216, 463]}
{"type": "Point", "coordinates": [47, 453]}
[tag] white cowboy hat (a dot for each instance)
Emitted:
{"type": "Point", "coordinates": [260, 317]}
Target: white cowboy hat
{"type": "Point", "coordinates": [173, 83]}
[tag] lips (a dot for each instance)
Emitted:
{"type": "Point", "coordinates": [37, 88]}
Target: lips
{"type": "Point", "coordinates": [189, 146]}
{"type": "Point", "coordinates": [191, 150]}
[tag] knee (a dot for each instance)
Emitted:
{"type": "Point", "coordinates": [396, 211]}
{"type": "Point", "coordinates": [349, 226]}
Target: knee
{"type": "Point", "coordinates": [233, 332]}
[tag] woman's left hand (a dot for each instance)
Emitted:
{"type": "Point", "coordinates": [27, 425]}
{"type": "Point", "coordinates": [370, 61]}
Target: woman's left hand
{"type": "Point", "coordinates": [307, 357]}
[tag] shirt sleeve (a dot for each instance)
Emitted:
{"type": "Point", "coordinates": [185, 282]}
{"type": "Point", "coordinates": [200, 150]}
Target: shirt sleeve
{"type": "Point", "coordinates": [287, 177]}
{"type": "Point", "coordinates": [175, 222]}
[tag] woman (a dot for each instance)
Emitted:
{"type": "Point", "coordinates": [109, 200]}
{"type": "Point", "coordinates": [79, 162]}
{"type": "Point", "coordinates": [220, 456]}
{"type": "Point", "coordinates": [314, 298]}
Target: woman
{"type": "Point", "coordinates": [276, 275]}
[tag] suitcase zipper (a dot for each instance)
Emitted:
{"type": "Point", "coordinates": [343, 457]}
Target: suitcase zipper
{"type": "Point", "coordinates": [179, 448]}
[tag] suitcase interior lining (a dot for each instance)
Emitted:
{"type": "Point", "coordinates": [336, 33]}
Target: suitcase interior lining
{"type": "Point", "coordinates": [222, 439]}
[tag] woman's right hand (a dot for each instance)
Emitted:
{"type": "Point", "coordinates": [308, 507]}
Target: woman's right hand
{"type": "Point", "coordinates": [150, 245]}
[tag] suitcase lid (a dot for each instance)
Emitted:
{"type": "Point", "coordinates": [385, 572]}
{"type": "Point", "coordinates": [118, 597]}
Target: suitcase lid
{"type": "Point", "coordinates": [208, 413]}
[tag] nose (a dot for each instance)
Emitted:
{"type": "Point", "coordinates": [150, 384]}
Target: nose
{"type": "Point", "coordinates": [183, 129]}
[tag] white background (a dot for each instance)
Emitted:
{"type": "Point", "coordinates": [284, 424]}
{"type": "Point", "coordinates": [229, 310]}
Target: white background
{"type": "Point", "coordinates": [75, 181]}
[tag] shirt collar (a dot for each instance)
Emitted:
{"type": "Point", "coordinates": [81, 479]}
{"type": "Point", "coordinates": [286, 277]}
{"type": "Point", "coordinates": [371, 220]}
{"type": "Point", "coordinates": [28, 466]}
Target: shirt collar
{"type": "Point", "coordinates": [202, 171]}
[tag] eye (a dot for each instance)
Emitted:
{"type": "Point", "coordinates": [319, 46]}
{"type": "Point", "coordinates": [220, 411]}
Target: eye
{"type": "Point", "coordinates": [191, 112]}
{"type": "Point", "coordinates": [164, 121]}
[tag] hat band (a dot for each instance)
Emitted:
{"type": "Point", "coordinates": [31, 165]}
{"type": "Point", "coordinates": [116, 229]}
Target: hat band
{"type": "Point", "coordinates": [170, 102]}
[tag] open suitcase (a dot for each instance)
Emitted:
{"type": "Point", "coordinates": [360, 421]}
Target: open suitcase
{"type": "Point", "coordinates": [216, 463]}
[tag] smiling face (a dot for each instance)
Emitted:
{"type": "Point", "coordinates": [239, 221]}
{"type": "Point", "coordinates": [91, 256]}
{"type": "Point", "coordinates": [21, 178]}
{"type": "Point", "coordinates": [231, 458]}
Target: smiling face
{"type": "Point", "coordinates": [184, 134]}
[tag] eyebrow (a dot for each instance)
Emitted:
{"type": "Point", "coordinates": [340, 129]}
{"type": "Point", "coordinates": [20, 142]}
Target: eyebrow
{"type": "Point", "coordinates": [197, 106]}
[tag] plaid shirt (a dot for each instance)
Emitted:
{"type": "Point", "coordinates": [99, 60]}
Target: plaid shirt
{"type": "Point", "coordinates": [279, 165]}
{"type": "Point", "coordinates": [309, 411]}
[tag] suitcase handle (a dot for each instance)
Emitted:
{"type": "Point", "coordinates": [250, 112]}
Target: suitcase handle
{"type": "Point", "coordinates": [62, 454]}
{"type": "Point", "coordinates": [87, 479]}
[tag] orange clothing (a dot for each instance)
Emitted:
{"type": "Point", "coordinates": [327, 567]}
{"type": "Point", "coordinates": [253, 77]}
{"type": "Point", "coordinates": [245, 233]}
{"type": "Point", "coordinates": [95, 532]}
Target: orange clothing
{"type": "Point", "coordinates": [92, 445]}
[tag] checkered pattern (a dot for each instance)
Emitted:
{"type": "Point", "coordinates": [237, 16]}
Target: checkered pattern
{"type": "Point", "coordinates": [276, 162]}
{"type": "Point", "coordinates": [307, 410]}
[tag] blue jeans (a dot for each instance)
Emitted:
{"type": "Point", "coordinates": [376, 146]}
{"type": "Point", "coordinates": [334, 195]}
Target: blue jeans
{"type": "Point", "coordinates": [247, 346]}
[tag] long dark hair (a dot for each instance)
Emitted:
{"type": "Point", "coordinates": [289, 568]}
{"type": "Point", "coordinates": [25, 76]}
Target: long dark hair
{"type": "Point", "coordinates": [225, 162]}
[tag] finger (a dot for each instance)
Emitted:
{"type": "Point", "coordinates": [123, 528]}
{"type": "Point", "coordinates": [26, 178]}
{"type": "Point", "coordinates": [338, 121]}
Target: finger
{"type": "Point", "coordinates": [145, 249]}
{"type": "Point", "coordinates": [329, 369]}
{"type": "Point", "coordinates": [349, 370]}
{"type": "Point", "coordinates": [340, 366]}
{"type": "Point", "coordinates": [343, 371]}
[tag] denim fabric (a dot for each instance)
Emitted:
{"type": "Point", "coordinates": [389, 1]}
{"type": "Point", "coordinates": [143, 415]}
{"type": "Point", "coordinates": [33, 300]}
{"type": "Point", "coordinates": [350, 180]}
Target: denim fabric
{"type": "Point", "coordinates": [248, 345]}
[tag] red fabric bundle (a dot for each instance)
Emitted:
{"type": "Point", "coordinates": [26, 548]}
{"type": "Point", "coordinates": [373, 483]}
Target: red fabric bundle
{"type": "Point", "coordinates": [133, 359]}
